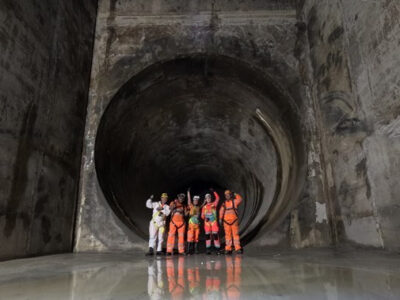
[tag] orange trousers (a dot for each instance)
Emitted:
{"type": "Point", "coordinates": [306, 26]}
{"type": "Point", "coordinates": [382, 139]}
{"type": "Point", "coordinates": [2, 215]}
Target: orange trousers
{"type": "Point", "coordinates": [193, 233]}
{"type": "Point", "coordinates": [231, 235]}
{"type": "Point", "coordinates": [175, 227]}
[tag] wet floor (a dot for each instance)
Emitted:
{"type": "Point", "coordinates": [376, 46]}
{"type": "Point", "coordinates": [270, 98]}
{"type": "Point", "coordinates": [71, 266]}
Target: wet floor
{"type": "Point", "coordinates": [290, 275]}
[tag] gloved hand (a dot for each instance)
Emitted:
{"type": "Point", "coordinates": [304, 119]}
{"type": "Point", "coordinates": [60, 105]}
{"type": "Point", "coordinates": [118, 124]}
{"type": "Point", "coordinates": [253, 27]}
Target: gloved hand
{"type": "Point", "coordinates": [152, 197]}
{"type": "Point", "coordinates": [188, 190]}
{"type": "Point", "coordinates": [159, 208]}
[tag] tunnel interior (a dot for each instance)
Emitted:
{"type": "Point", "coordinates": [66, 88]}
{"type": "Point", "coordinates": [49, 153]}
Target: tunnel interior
{"type": "Point", "coordinates": [200, 121]}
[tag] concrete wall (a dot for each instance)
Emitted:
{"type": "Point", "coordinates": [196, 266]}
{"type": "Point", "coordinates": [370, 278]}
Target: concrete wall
{"type": "Point", "coordinates": [354, 78]}
{"type": "Point", "coordinates": [45, 62]}
{"type": "Point", "coordinates": [132, 36]}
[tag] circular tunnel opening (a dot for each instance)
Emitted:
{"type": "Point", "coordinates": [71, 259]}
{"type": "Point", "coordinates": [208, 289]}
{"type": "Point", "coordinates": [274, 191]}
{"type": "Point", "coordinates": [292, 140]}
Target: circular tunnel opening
{"type": "Point", "coordinates": [199, 121]}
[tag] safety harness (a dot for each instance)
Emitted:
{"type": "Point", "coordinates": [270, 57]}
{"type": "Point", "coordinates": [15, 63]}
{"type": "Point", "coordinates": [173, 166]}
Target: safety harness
{"type": "Point", "coordinates": [234, 208]}
{"type": "Point", "coordinates": [174, 211]}
{"type": "Point", "coordinates": [157, 214]}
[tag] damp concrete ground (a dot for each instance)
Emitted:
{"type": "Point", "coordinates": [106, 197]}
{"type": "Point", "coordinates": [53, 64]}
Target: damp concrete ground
{"type": "Point", "coordinates": [306, 274]}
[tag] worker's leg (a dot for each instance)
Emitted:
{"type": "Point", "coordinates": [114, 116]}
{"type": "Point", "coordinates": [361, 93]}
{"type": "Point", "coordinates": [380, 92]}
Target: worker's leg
{"type": "Point", "coordinates": [215, 235]}
{"type": "Point", "coordinates": [196, 234]}
{"type": "Point", "coordinates": [235, 235]}
{"type": "Point", "coordinates": [171, 237]}
{"type": "Point", "coordinates": [228, 237]}
{"type": "Point", "coordinates": [207, 230]}
{"type": "Point", "coordinates": [181, 238]}
{"type": "Point", "coordinates": [190, 233]}
{"type": "Point", "coordinates": [152, 235]}
{"type": "Point", "coordinates": [161, 234]}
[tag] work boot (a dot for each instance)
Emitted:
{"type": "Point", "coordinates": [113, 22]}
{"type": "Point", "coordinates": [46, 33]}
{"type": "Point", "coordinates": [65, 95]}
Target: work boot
{"type": "Point", "coordinates": [159, 253]}
{"type": "Point", "coordinates": [169, 253]}
{"type": "Point", "coordinates": [208, 251]}
{"type": "Point", "coordinates": [217, 251]}
{"type": "Point", "coordinates": [228, 252]}
{"type": "Point", "coordinates": [189, 248]}
{"type": "Point", "coordinates": [151, 252]}
{"type": "Point", "coordinates": [240, 251]}
{"type": "Point", "coordinates": [196, 248]}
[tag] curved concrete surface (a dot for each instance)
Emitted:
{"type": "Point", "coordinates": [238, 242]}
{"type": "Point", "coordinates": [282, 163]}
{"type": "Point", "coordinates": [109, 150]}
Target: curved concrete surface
{"type": "Point", "coordinates": [201, 121]}
{"type": "Point", "coordinates": [291, 275]}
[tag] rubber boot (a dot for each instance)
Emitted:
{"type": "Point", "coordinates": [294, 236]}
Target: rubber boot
{"type": "Point", "coordinates": [151, 252]}
{"type": "Point", "coordinates": [240, 251]}
{"type": "Point", "coordinates": [189, 248]}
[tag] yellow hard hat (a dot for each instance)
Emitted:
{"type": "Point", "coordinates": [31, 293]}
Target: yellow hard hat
{"type": "Point", "coordinates": [164, 195]}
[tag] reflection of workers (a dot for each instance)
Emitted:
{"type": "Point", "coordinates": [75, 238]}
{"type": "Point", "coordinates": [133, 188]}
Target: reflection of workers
{"type": "Point", "coordinates": [177, 225]}
{"type": "Point", "coordinates": [228, 215]}
{"type": "Point", "coordinates": [176, 284]}
{"type": "Point", "coordinates": [155, 283]}
{"type": "Point", "coordinates": [233, 277]}
{"type": "Point", "coordinates": [213, 280]}
{"type": "Point", "coordinates": [157, 223]}
{"type": "Point", "coordinates": [193, 277]}
{"type": "Point", "coordinates": [194, 223]}
{"type": "Point", "coordinates": [209, 215]}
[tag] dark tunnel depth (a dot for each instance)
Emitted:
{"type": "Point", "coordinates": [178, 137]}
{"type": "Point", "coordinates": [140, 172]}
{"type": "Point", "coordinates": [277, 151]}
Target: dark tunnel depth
{"type": "Point", "coordinates": [197, 121]}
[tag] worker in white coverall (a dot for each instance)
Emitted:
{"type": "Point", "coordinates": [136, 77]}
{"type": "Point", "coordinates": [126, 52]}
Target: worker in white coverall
{"type": "Point", "coordinates": [157, 224]}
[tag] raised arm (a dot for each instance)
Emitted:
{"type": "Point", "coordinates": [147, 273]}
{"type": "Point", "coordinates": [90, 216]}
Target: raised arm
{"type": "Point", "coordinates": [149, 202]}
{"type": "Point", "coordinates": [238, 199]}
{"type": "Point", "coordinates": [189, 197]}
{"type": "Point", "coordinates": [216, 201]}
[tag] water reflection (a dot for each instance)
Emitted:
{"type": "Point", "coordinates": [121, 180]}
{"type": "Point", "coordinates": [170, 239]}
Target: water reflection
{"type": "Point", "coordinates": [105, 277]}
{"type": "Point", "coordinates": [199, 278]}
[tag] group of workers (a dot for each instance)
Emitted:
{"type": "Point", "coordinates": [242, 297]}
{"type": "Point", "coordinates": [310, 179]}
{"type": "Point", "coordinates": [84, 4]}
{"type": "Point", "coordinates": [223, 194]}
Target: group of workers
{"type": "Point", "coordinates": [194, 213]}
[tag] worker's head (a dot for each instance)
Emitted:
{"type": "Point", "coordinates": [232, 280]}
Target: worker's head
{"type": "Point", "coordinates": [196, 200]}
{"type": "Point", "coordinates": [164, 198]}
{"type": "Point", "coordinates": [207, 197]}
{"type": "Point", "coordinates": [228, 194]}
{"type": "Point", "coordinates": [181, 197]}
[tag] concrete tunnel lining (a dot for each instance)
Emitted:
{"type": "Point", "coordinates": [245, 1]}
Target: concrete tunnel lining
{"type": "Point", "coordinates": [200, 121]}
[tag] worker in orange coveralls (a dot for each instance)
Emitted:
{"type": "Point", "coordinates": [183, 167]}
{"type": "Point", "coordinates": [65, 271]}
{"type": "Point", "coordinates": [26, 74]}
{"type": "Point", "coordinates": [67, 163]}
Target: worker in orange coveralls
{"type": "Point", "coordinates": [193, 210]}
{"type": "Point", "coordinates": [233, 277]}
{"type": "Point", "coordinates": [177, 225]}
{"type": "Point", "coordinates": [228, 215]}
{"type": "Point", "coordinates": [211, 228]}
{"type": "Point", "coordinates": [176, 284]}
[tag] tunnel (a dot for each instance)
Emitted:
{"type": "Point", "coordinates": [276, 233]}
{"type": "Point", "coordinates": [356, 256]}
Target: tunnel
{"type": "Point", "coordinates": [201, 121]}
